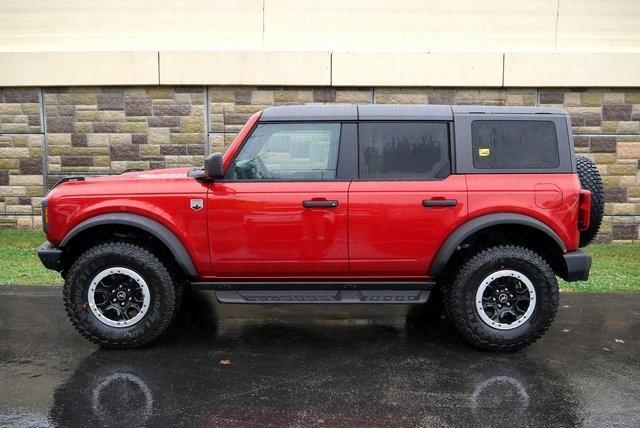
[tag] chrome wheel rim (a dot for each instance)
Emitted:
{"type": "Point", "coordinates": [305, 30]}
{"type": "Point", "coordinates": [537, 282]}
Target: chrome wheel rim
{"type": "Point", "coordinates": [505, 299]}
{"type": "Point", "coordinates": [119, 297]}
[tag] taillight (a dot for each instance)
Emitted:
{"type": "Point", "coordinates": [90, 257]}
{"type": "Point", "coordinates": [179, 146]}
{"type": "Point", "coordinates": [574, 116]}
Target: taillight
{"type": "Point", "coordinates": [45, 216]}
{"type": "Point", "coordinates": [584, 210]}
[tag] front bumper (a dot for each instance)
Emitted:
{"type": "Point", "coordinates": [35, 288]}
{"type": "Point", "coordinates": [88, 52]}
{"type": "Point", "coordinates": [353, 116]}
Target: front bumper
{"type": "Point", "coordinates": [577, 265]}
{"type": "Point", "coordinates": [50, 256]}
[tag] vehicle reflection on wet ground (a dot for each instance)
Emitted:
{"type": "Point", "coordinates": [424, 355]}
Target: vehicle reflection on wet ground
{"type": "Point", "coordinates": [318, 365]}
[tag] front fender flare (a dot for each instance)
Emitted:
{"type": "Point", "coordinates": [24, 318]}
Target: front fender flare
{"type": "Point", "coordinates": [164, 235]}
{"type": "Point", "coordinates": [467, 229]}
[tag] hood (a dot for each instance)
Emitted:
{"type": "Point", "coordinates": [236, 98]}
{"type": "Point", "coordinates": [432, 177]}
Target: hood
{"type": "Point", "coordinates": [165, 181]}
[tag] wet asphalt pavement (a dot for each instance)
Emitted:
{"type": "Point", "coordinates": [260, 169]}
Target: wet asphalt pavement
{"type": "Point", "coordinates": [227, 365]}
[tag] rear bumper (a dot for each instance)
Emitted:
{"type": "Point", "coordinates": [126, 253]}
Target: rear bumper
{"type": "Point", "coordinates": [50, 256]}
{"type": "Point", "coordinates": [577, 265]}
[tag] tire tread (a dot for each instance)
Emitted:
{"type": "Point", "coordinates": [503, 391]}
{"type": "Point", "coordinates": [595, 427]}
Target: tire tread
{"type": "Point", "coordinates": [134, 251]}
{"type": "Point", "coordinates": [454, 298]}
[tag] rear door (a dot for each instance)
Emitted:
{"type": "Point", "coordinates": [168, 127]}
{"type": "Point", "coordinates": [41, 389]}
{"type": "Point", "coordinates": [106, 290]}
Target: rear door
{"type": "Point", "coordinates": [281, 211]}
{"type": "Point", "coordinates": [405, 201]}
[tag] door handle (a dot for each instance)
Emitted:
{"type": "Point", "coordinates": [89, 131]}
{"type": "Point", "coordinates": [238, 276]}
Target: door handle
{"type": "Point", "coordinates": [314, 203]}
{"type": "Point", "coordinates": [439, 203]}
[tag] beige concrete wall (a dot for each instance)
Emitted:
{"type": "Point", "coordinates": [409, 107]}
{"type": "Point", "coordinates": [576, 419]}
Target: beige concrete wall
{"type": "Point", "coordinates": [381, 25]}
{"type": "Point", "coordinates": [416, 69]}
{"type": "Point", "coordinates": [410, 24]}
{"type": "Point", "coordinates": [239, 68]}
{"type": "Point", "coordinates": [78, 68]}
{"type": "Point", "coordinates": [90, 25]}
{"type": "Point", "coordinates": [278, 68]}
{"type": "Point", "coordinates": [599, 25]}
{"type": "Point", "coordinates": [572, 69]}
{"type": "Point", "coordinates": [551, 43]}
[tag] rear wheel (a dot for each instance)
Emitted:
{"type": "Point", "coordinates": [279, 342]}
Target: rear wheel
{"type": "Point", "coordinates": [120, 295]}
{"type": "Point", "coordinates": [504, 298]}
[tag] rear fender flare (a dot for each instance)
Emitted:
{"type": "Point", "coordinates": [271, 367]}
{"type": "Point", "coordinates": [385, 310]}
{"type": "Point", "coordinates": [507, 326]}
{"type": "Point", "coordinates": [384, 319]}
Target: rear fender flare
{"type": "Point", "coordinates": [469, 228]}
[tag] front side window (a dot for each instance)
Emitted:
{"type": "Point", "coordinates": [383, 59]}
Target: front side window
{"type": "Point", "coordinates": [514, 144]}
{"type": "Point", "coordinates": [404, 150]}
{"type": "Point", "coordinates": [289, 151]}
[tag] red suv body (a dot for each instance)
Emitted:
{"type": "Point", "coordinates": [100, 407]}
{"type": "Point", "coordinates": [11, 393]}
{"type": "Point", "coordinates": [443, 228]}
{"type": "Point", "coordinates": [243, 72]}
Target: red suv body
{"type": "Point", "coordinates": [340, 204]}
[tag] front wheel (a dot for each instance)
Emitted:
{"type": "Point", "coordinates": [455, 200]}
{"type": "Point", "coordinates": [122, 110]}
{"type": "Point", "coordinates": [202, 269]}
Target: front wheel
{"type": "Point", "coordinates": [120, 295]}
{"type": "Point", "coordinates": [503, 298]}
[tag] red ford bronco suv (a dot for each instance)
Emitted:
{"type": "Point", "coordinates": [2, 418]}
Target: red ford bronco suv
{"type": "Point", "coordinates": [483, 206]}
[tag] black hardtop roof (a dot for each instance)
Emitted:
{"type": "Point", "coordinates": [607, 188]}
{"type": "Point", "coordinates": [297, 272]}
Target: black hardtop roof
{"type": "Point", "coordinates": [391, 111]}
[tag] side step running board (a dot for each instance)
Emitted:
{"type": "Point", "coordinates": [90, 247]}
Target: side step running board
{"type": "Point", "coordinates": [318, 292]}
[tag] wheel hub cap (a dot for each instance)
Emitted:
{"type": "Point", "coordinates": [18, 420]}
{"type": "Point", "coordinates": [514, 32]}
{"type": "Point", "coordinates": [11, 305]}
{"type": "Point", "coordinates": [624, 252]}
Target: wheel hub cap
{"type": "Point", "coordinates": [119, 297]}
{"type": "Point", "coordinates": [505, 299]}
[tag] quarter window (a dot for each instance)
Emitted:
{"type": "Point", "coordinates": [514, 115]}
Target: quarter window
{"type": "Point", "coordinates": [404, 150]}
{"type": "Point", "coordinates": [514, 144]}
{"type": "Point", "coordinates": [289, 151]}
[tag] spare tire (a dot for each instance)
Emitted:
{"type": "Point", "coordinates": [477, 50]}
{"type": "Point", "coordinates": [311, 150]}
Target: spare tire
{"type": "Point", "coordinates": [590, 180]}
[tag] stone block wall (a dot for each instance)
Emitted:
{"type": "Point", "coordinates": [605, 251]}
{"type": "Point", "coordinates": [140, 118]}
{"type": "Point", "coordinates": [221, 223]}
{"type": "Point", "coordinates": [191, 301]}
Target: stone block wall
{"type": "Point", "coordinates": [20, 111]}
{"type": "Point", "coordinates": [106, 130]}
{"type": "Point", "coordinates": [109, 130]}
{"type": "Point", "coordinates": [21, 157]}
{"type": "Point", "coordinates": [21, 180]}
{"type": "Point", "coordinates": [606, 128]}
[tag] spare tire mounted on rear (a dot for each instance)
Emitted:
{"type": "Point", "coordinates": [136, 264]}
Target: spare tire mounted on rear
{"type": "Point", "coordinates": [590, 180]}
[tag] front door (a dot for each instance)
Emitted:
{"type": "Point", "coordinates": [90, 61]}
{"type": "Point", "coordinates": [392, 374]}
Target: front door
{"type": "Point", "coordinates": [406, 201]}
{"type": "Point", "coordinates": [281, 211]}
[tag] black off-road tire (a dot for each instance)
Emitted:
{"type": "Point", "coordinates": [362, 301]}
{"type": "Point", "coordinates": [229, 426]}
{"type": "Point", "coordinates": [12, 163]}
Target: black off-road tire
{"type": "Point", "coordinates": [164, 295]}
{"type": "Point", "coordinates": [590, 180]}
{"type": "Point", "coordinates": [459, 298]}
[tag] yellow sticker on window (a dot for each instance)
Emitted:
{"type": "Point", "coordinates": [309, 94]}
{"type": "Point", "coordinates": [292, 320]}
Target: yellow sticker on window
{"type": "Point", "coordinates": [483, 153]}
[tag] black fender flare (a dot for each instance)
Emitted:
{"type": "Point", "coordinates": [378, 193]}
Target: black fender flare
{"type": "Point", "coordinates": [164, 235]}
{"type": "Point", "coordinates": [472, 226]}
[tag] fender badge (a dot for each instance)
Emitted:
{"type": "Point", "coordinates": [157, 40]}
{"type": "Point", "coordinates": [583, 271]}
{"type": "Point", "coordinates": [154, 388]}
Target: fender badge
{"type": "Point", "coordinates": [196, 204]}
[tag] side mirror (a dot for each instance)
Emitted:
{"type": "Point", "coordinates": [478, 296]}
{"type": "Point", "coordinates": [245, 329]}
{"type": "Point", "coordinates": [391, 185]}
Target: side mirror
{"type": "Point", "coordinates": [213, 168]}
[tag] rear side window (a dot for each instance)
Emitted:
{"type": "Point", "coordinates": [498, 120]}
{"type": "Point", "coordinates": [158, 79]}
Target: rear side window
{"type": "Point", "coordinates": [514, 144]}
{"type": "Point", "coordinates": [404, 150]}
